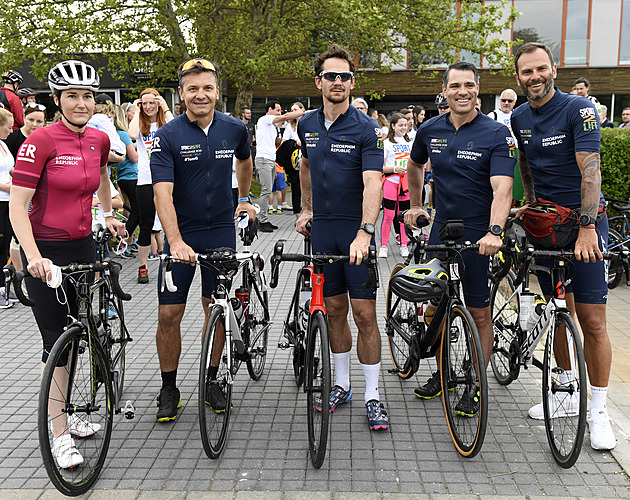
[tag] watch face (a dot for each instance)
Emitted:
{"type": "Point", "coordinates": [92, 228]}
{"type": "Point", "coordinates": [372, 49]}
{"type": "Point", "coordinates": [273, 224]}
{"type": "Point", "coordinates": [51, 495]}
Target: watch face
{"type": "Point", "coordinates": [586, 220]}
{"type": "Point", "coordinates": [368, 228]}
{"type": "Point", "coordinates": [496, 230]}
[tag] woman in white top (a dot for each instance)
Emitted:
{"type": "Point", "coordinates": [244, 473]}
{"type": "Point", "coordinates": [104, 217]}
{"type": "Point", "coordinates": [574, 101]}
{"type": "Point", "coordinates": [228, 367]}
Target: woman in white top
{"type": "Point", "coordinates": [151, 113]}
{"type": "Point", "coordinates": [291, 174]}
{"type": "Point", "coordinates": [290, 131]}
{"type": "Point", "coordinates": [397, 148]}
{"type": "Point", "coordinates": [6, 169]}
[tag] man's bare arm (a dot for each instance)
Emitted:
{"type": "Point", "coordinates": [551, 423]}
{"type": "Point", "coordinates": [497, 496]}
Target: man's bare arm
{"type": "Point", "coordinates": [527, 177]}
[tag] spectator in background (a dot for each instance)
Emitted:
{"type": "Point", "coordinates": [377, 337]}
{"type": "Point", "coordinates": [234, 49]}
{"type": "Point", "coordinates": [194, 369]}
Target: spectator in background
{"type": "Point", "coordinates": [442, 103]}
{"type": "Point", "coordinates": [504, 112]}
{"type": "Point", "coordinates": [408, 114]}
{"type": "Point", "coordinates": [603, 118]}
{"type": "Point", "coordinates": [360, 104]}
{"type": "Point", "coordinates": [418, 116]}
{"type": "Point", "coordinates": [383, 123]}
{"type": "Point", "coordinates": [625, 118]}
{"type": "Point", "coordinates": [6, 169]}
{"type": "Point", "coordinates": [583, 87]}
{"type": "Point", "coordinates": [478, 105]}
{"type": "Point", "coordinates": [246, 118]}
{"type": "Point", "coordinates": [34, 118]}
{"type": "Point", "coordinates": [177, 109]}
{"type": "Point", "coordinates": [9, 98]}
{"type": "Point", "coordinates": [27, 95]}
{"type": "Point", "coordinates": [372, 113]}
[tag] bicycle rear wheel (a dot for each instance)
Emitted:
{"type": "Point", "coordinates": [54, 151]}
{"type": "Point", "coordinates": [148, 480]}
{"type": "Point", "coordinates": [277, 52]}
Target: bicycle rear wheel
{"type": "Point", "coordinates": [76, 399]}
{"type": "Point", "coordinates": [215, 385]}
{"type": "Point", "coordinates": [401, 321]}
{"type": "Point", "coordinates": [564, 391]}
{"type": "Point", "coordinates": [464, 383]}
{"type": "Point", "coordinates": [295, 331]}
{"type": "Point", "coordinates": [615, 265]}
{"type": "Point", "coordinates": [256, 329]}
{"type": "Point", "coordinates": [505, 323]}
{"type": "Point", "coordinates": [317, 387]}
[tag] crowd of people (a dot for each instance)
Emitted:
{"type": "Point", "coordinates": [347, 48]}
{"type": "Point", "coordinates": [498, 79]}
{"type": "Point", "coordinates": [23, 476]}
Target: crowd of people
{"type": "Point", "coordinates": [189, 172]}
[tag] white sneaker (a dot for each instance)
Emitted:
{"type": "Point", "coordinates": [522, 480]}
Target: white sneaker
{"type": "Point", "coordinates": [404, 251]}
{"type": "Point", "coordinates": [602, 436]}
{"type": "Point", "coordinates": [80, 428]}
{"type": "Point", "coordinates": [286, 206]}
{"type": "Point", "coordinates": [65, 452]}
{"type": "Point", "coordinates": [382, 253]}
{"type": "Point", "coordinates": [4, 303]}
{"type": "Point", "coordinates": [562, 405]}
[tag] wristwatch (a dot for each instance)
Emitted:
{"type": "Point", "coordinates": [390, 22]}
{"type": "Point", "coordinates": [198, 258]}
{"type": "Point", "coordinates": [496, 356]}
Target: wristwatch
{"type": "Point", "coordinates": [495, 229]}
{"type": "Point", "coordinates": [108, 214]}
{"type": "Point", "coordinates": [368, 228]}
{"type": "Point", "coordinates": [586, 220]}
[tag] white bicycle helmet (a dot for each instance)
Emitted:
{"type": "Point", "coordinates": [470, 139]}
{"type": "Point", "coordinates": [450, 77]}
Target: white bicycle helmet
{"type": "Point", "coordinates": [73, 75]}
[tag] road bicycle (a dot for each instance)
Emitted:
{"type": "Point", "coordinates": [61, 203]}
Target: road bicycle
{"type": "Point", "coordinates": [311, 351]}
{"type": "Point", "coordinates": [618, 239]}
{"type": "Point", "coordinates": [451, 334]}
{"type": "Point", "coordinates": [520, 321]}
{"type": "Point", "coordinates": [82, 382]}
{"type": "Point", "coordinates": [236, 332]}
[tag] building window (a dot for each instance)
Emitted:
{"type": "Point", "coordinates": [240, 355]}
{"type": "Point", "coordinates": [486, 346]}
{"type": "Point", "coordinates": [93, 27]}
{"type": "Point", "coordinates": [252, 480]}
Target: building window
{"type": "Point", "coordinates": [539, 22]}
{"type": "Point", "coordinates": [576, 40]}
{"type": "Point", "coordinates": [624, 48]}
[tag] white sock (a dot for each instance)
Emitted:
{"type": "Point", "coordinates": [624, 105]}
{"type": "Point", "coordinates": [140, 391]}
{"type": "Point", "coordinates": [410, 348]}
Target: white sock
{"type": "Point", "coordinates": [342, 369]}
{"type": "Point", "coordinates": [598, 397]}
{"type": "Point", "coordinates": [371, 373]}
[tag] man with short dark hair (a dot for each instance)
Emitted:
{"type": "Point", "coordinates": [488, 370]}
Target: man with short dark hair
{"type": "Point", "coordinates": [472, 158]}
{"type": "Point", "coordinates": [559, 144]}
{"type": "Point", "coordinates": [191, 168]}
{"type": "Point", "coordinates": [246, 118]}
{"type": "Point", "coordinates": [625, 118]}
{"type": "Point", "coordinates": [266, 135]}
{"type": "Point", "coordinates": [340, 173]}
{"type": "Point", "coordinates": [582, 88]}
{"type": "Point", "coordinates": [9, 98]}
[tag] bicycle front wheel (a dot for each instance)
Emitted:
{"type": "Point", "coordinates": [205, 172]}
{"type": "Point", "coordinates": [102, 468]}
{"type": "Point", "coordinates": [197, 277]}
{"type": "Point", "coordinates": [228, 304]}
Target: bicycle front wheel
{"type": "Point", "coordinates": [564, 391]}
{"type": "Point", "coordinates": [401, 319]}
{"type": "Point", "coordinates": [505, 324]}
{"type": "Point", "coordinates": [76, 409]}
{"type": "Point", "coordinates": [464, 383]}
{"type": "Point", "coordinates": [255, 330]}
{"type": "Point", "coordinates": [215, 385]}
{"type": "Point", "coordinates": [317, 387]}
{"type": "Point", "coordinates": [116, 343]}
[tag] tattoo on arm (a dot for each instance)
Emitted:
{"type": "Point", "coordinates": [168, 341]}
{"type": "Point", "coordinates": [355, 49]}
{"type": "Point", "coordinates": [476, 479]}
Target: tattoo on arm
{"type": "Point", "coordinates": [588, 162]}
{"type": "Point", "coordinates": [527, 177]}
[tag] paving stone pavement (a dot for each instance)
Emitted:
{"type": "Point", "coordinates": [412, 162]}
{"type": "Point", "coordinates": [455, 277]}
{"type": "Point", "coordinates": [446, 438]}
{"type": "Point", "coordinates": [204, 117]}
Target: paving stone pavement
{"type": "Point", "coordinates": [266, 454]}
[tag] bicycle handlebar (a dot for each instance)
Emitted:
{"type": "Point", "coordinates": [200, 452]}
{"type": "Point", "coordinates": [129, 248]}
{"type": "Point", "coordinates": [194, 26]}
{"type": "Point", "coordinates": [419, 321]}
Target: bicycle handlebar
{"type": "Point", "coordinates": [421, 221]}
{"type": "Point", "coordinates": [321, 259]}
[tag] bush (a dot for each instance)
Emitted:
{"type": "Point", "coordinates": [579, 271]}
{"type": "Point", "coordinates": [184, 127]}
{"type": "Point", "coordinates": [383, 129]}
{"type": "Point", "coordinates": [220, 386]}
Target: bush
{"type": "Point", "coordinates": [615, 163]}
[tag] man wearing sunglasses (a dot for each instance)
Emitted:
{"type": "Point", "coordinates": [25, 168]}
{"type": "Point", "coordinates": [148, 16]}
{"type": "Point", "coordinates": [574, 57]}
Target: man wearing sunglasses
{"type": "Point", "coordinates": [191, 168]}
{"type": "Point", "coordinates": [340, 174]}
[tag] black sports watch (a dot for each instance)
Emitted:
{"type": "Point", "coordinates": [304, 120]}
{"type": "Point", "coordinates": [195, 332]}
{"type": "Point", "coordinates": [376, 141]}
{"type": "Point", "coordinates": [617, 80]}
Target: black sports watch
{"type": "Point", "coordinates": [586, 220]}
{"type": "Point", "coordinates": [368, 228]}
{"type": "Point", "coordinates": [495, 229]}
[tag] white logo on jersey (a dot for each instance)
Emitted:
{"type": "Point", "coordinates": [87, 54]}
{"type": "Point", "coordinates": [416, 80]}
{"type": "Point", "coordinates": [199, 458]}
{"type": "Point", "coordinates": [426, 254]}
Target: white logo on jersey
{"type": "Point", "coordinates": [27, 152]}
{"type": "Point", "coordinates": [586, 112]}
{"type": "Point", "coordinates": [156, 145]}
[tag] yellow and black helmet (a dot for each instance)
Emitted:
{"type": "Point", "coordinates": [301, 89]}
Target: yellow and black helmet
{"type": "Point", "coordinates": [420, 282]}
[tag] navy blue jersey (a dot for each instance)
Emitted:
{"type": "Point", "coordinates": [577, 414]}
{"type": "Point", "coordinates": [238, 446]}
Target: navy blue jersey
{"type": "Point", "coordinates": [337, 159]}
{"type": "Point", "coordinates": [200, 168]}
{"type": "Point", "coordinates": [550, 136]}
{"type": "Point", "coordinates": [462, 162]}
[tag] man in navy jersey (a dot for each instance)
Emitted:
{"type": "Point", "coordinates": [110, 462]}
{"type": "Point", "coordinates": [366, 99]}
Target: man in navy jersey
{"type": "Point", "coordinates": [472, 161]}
{"type": "Point", "coordinates": [191, 167]}
{"type": "Point", "coordinates": [559, 143]}
{"type": "Point", "coordinates": [340, 175]}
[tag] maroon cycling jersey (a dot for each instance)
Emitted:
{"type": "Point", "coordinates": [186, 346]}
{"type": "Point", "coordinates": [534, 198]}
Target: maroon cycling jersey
{"type": "Point", "coordinates": [64, 168]}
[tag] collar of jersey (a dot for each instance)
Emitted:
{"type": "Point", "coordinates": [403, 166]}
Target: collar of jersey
{"type": "Point", "coordinates": [549, 104]}
{"type": "Point", "coordinates": [217, 117]}
{"type": "Point", "coordinates": [322, 117]}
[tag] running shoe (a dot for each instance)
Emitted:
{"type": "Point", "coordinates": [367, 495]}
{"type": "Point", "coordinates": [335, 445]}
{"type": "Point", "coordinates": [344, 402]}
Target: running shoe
{"type": "Point", "coordinates": [127, 254]}
{"type": "Point", "coordinates": [215, 397]}
{"type": "Point", "coordinates": [602, 436]}
{"type": "Point", "coordinates": [404, 251]}
{"type": "Point", "coordinates": [134, 247]}
{"type": "Point", "coordinates": [5, 303]}
{"type": "Point", "coordinates": [78, 427]}
{"type": "Point", "coordinates": [111, 313]}
{"type": "Point", "coordinates": [338, 396]}
{"type": "Point", "coordinates": [168, 401]}
{"type": "Point", "coordinates": [65, 452]}
{"type": "Point", "coordinates": [382, 253]}
{"type": "Point", "coordinates": [560, 405]}
{"type": "Point", "coordinates": [153, 256]}
{"type": "Point", "coordinates": [377, 416]}
{"type": "Point", "coordinates": [468, 405]}
{"type": "Point", "coordinates": [143, 275]}
{"type": "Point", "coordinates": [433, 387]}
{"type": "Point", "coordinates": [271, 211]}
{"type": "Point", "coordinates": [286, 206]}
{"type": "Point", "coordinates": [265, 227]}
{"type": "Point", "coordinates": [278, 210]}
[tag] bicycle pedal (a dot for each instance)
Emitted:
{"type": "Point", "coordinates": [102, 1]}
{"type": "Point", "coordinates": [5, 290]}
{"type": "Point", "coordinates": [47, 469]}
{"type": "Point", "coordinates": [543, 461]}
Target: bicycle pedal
{"type": "Point", "coordinates": [129, 410]}
{"type": "Point", "coordinates": [394, 371]}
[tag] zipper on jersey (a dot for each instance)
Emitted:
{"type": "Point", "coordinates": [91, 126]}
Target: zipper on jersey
{"type": "Point", "coordinates": [84, 174]}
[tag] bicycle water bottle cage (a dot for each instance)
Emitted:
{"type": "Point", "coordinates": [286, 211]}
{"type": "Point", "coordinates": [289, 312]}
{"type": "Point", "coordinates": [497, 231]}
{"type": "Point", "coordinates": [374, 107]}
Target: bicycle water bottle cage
{"type": "Point", "coordinates": [452, 231]}
{"type": "Point", "coordinates": [420, 282]}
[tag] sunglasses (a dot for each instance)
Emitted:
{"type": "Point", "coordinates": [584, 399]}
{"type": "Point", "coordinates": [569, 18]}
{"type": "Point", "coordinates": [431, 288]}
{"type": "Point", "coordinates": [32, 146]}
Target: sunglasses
{"type": "Point", "coordinates": [507, 100]}
{"type": "Point", "coordinates": [198, 62]}
{"type": "Point", "coordinates": [443, 106]}
{"type": "Point", "coordinates": [331, 76]}
{"type": "Point", "coordinates": [40, 107]}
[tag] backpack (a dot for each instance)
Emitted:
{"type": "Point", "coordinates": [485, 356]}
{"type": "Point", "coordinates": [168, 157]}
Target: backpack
{"type": "Point", "coordinates": [4, 101]}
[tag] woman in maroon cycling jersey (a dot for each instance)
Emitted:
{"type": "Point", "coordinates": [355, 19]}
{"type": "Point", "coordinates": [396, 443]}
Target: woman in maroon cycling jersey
{"type": "Point", "coordinates": [151, 112]}
{"type": "Point", "coordinates": [58, 168]}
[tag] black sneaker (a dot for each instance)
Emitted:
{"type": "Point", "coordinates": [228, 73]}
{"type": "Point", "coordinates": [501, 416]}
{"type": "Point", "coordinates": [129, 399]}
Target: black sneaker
{"type": "Point", "coordinates": [468, 405]}
{"type": "Point", "coordinates": [143, 275]}
{"type": "Point", "coordinates": [215, 397]}
{"type": "Point", "coordinates": [168, 401]}
{"type": "Point", "coordinates": [433, 387]}
{"type": "Point", "coordinates": [273, 226]}
{"type": "Point", "coordinates": [266, 227]}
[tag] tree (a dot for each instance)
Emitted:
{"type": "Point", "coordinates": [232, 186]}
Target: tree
{"type": "Point", "coordinates": [250, 39]}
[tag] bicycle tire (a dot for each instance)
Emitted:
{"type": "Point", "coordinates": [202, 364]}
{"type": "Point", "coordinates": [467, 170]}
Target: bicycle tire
{"type": "Point", "coordinates": [505, 311]}
{"type": "Point", "coordinates": [256, 329]}
{"type": "Point", "coordinates": [463, 372]}
{"type": "Point", "coordinates": [615, 266]}
{"type": "Point", "coordinates": [317, 387]}
{"type": "Point", "coordinates": [88, 387]}
{"type": "Point", "coordinates": [116, 344]}
{"type": "Point", "coordinates": [298, 334]}
{"type": "Point", "coordinates": [565, 434]}
{"type": "Point", "coordinates": [399, 339]}
{"type": "Point", "coordinates": [214, 422]}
